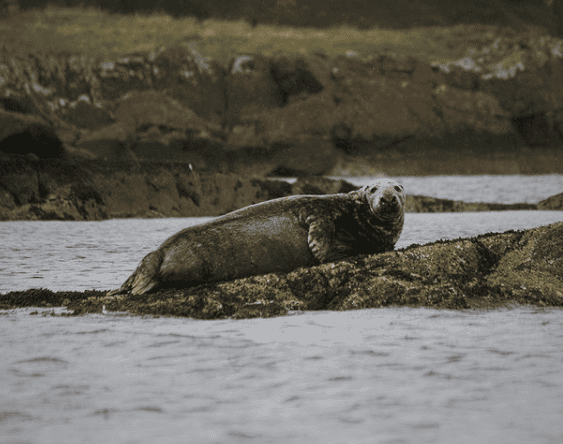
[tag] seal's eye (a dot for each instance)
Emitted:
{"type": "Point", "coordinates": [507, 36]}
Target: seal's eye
{"type": "Point", "coordinates": [399, 188]}
{"type": "Point", "coordinates": [373, 189]}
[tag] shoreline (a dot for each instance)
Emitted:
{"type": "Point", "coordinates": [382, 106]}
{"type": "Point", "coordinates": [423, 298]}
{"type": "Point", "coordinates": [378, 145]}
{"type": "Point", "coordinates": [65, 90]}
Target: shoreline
{"type": "Point", "coordinates": [55, 189]}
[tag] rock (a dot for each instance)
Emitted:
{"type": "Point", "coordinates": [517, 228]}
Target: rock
{"type": "Point", "coordinates": [83, 114]}
{"type": "Point", "coordinates": [166, 131]}
{"type": "Point", "coordinates": [7, 204]}
{"type": "Point", "coordinates": [295, 79]}
{"type": "Point", "coordinates": [552, 203]}
{"type": "Point", "coordinates": [93, 190]}
{"type": "Point", "coordinates": [151, 127]}
{"type": "Point", "coordinates": [486, 271]}
{"type": "Point", "coordinates": [321, 185]}
{"type": "Point", "coordinates": [274, 189]}
{"type": "Point", "coordinates": [17, 104]}
{"type": "Point", "coordinates": [124, 194]}
{"type": "Point", "coordinates": [364, 89]}
{"type": "Point", "coordinates": [112, 143]}
{"type": "Point", "coordinates": [32, 189]}
{"type": "Point", "coordinates": [474, 111]}
{"type": "Point", "coordinates": [250, 89]}
{"type": "Point", "coordinates": [47, 189]}
{"type": "Point", "coordinates": [28, 133]}
{"type": "Point", "coordinates": [18, 177]}
{"type": "Point", "coordinates": [42, 297]}
{"type": "Point", "coordinates": [162, 193]}
{"type": "Point", "coordinates": [115, 78]}
{"type": "Point", "coordinates": [536, 130]}
{"type": "Point", "coordinates": [303, 157]}
{"type": "Point", "coordinates": [195, 81]}
{"type": "Point", "coordinates": [523, 76]}
{"type": "Point", "coordinates": [147, 109]}
{"type": "Point", "coordinates": [172, 193]}
{"type": "Point", "coordinates": [312, 117]}
{"type": "Point", "coordinates": [222, 193]}
{"type": "Point", "coordinates": [514, 84]}
{"type": "Point", "coordinates": [425, 204]}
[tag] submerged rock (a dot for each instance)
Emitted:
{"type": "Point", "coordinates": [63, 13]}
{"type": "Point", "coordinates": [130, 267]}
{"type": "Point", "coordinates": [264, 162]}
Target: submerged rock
{"type": "Point", "coordinates": [487, 271]}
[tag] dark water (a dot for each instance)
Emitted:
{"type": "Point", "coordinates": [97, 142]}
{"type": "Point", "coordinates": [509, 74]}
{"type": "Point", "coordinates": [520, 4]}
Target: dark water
{"type": "Point", "coordinates": [393, 375]}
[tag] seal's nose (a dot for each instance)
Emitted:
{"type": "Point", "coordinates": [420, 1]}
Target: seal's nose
{"type": "Point", "coordinates": [389, 198]}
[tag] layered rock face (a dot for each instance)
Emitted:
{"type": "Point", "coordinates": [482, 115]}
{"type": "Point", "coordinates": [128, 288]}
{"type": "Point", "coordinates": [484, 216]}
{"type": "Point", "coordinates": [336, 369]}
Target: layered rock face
{"type": "Point", "coordinates": [283, 114]}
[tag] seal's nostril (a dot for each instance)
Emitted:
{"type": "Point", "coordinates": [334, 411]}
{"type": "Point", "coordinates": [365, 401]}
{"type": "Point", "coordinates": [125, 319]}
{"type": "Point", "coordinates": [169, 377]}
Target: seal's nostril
{"type": "Point", "coordinates": [389, 199]}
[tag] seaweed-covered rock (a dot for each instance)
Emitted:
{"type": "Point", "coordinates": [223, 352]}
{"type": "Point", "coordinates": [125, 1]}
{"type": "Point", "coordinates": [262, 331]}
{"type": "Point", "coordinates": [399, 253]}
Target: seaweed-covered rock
{"type": "Point", "coordinates": [525, 267]}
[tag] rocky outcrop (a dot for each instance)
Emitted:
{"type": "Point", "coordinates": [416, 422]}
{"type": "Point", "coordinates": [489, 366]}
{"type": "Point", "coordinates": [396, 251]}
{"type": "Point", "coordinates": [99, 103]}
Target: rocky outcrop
{"type": "Point", "coordinates": [53, 189]}
{"type": "Point", "coordinates": [58, 189]}
{"type": "Point", "coordinates": [552, 203]}
{"type": "Point", "coordinates": [425, 204]}
{"type": "Point", "coordinates": [524, 267]}
{"type": "Point", "coordinates": [290, 114]}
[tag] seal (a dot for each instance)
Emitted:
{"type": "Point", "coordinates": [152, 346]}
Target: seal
{"type": "Point", "coordinates": [279, 235]}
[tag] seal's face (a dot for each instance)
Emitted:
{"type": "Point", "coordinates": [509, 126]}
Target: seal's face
{"type": "Point", "coordinates": [386, 198]}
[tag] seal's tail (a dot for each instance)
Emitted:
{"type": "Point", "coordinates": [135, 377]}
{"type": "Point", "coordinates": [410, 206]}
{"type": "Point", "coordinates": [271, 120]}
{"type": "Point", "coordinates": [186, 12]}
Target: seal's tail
{"type": "Point", "coordinates": [144, 278]}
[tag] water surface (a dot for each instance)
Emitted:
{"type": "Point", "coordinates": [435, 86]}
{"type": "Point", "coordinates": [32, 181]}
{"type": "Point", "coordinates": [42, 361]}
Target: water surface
{"type": "Point", "coordinates": [391, 375]}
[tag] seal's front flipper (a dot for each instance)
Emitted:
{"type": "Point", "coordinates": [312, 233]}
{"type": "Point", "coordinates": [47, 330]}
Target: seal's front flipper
{"type": "Point", "coordinates": [144, 278]}
{"type": "Point", "coordinates": [322, 242]}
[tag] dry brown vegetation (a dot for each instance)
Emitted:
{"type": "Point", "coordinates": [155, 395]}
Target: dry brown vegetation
{"type": "Point", "coordinates": [96, 33]}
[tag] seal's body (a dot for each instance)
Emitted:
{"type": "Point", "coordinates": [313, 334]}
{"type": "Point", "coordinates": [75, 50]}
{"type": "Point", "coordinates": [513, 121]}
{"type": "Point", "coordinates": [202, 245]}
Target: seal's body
{"type": "Point", "coordinates": [276, 236]}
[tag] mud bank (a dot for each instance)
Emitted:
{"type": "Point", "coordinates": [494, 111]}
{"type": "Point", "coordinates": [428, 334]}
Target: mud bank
{"type": "Point", "coordinates": [524, 267]}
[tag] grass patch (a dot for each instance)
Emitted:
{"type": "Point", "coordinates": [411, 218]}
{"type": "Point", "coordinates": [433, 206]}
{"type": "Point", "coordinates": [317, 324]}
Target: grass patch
{"type": "Point", "coordinates": [102, 35]}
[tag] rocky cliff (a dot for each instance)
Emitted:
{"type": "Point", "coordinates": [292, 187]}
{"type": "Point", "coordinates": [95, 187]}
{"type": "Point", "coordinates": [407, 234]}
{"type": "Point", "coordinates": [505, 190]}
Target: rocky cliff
{"type": "Point", "coordinates": [186, 128]}
{"type": "Point", "coordinates": [393, 109]}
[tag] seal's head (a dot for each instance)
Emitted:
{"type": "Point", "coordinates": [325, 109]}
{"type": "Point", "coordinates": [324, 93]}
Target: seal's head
{"type": "Point", "coordinates": [386, 199]}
